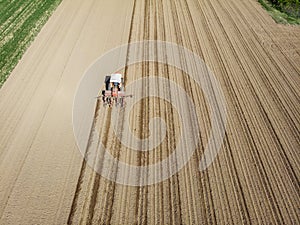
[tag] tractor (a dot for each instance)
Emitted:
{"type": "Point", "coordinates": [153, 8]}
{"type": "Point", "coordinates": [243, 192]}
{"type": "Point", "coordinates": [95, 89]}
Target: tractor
{"type": "Point", "coordinates": [113, 92]}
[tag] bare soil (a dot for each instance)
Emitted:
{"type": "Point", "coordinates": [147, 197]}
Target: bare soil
{"type": "Point", "coordinates": [255, 177]}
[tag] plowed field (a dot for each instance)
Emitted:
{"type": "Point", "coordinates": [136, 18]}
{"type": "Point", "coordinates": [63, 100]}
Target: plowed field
{"type": "Point", "coordinates": [254, 178]}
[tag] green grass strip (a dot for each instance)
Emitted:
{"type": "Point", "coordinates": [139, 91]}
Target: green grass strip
{"type": "Point", "coordinates": [20, 22]}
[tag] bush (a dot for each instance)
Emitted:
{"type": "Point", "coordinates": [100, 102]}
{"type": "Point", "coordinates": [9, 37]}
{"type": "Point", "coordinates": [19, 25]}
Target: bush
{"type": "Point", "coordinates": [291, 7]}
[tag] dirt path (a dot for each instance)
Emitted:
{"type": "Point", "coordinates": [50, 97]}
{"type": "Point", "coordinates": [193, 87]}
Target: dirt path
{"type": "Point", "coordinates": [254, 178]}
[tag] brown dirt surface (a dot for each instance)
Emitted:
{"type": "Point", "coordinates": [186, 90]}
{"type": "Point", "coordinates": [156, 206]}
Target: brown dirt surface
{"type": "Point", "coordinates": [255, 176]}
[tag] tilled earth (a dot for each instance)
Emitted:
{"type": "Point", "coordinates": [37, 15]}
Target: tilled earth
{"type": "Point", "coordinates": [255, 176]}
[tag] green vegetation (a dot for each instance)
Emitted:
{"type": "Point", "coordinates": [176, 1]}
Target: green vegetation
{"type": "Point", "coordinates": [20, 22]}
{"type": "Point", "coordinates": [283, 11]}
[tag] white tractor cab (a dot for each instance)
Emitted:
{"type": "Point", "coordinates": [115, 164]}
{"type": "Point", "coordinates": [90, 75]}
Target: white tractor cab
{"type": "Point", "coordinates": [113, 90]}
